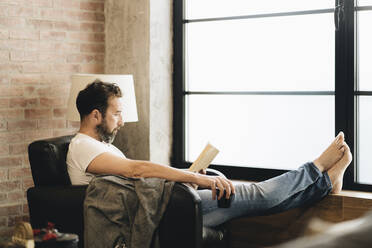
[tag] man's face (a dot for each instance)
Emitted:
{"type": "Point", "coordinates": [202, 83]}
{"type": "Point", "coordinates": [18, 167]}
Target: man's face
{"type": "Point", "coordinates": [113, 120]}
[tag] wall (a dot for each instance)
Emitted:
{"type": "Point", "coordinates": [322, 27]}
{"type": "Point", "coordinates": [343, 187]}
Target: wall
{"type": "Point", "coordinates": [139, 42]}
{"type": "Point", "coordinates": [161, 68]}
{"type": "Point", "coordinates": [127, 52]}
{"type": "Point", "coordinates": [42, 42]}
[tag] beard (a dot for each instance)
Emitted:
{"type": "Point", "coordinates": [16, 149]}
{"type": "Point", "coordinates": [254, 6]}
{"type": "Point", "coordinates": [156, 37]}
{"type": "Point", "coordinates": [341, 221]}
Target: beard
{"type": "Point", "coordinates": [104, 133]}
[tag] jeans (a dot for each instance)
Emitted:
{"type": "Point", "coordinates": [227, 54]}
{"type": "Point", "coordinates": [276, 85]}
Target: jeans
{"type": "Point", "coordinates": [296, 188]}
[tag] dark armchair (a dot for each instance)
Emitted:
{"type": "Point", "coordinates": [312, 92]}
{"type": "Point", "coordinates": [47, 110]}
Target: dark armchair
{"type": "Point", "coordinates": [54, 199]}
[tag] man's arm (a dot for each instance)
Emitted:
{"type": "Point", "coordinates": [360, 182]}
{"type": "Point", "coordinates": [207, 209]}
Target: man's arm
{"type": "Point", "coordinates": [108, 163]}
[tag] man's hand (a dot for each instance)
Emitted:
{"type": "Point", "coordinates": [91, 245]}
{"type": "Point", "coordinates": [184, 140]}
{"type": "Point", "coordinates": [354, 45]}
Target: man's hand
{"type": "Point", "coordinates": [213, 182]}
{"type": "Point", "coordinates": [195, 186]}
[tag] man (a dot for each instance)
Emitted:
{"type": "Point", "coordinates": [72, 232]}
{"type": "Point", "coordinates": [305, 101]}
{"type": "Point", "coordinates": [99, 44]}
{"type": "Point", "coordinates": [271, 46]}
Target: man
{"type": "Point", "coordinates": [91, 153]}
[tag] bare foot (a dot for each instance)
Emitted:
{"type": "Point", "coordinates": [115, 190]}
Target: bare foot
{"type": "Point", "coordinates": [332, 154]}
{"type": "Point", "coordinates": [336, 172]}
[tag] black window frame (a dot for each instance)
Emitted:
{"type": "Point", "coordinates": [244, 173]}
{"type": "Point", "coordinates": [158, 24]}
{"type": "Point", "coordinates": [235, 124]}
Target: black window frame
{"type": "Point", "coordinates": [345, 94]}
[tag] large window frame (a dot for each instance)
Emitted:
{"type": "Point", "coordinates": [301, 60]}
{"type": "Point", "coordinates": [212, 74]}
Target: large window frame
{"type": "Point", "coordinates": [345, 94]}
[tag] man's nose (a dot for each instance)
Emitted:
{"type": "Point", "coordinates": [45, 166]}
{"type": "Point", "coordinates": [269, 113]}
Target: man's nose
{"type": "Point", "coordinates": [121, 121]}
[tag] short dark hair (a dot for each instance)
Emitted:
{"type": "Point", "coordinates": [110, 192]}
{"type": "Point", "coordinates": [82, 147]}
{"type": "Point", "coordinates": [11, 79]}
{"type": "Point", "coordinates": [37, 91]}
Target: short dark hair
{"type": "Point", "coordinates": [96, 96]}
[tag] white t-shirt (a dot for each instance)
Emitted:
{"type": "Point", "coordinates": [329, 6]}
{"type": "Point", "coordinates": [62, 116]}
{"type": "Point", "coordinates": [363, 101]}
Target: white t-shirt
{"type": "Point", "coordinates": [82, 150]}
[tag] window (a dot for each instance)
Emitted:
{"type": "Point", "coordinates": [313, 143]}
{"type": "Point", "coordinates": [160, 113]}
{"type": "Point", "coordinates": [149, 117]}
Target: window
{"type": "Point", "coordinates": [271, 82]}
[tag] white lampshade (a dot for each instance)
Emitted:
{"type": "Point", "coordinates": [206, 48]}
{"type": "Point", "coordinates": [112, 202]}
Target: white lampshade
{"type": "Point", "coordinates": [125, 82]}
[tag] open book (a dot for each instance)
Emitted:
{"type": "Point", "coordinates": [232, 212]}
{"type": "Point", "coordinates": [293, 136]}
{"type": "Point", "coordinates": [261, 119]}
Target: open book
{"type": "Point", "coordinates": [205, 158]}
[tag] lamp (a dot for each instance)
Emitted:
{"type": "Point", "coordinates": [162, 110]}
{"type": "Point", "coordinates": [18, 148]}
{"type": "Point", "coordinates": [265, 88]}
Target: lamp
{"type": "Point", "coordinates": [125, 82]}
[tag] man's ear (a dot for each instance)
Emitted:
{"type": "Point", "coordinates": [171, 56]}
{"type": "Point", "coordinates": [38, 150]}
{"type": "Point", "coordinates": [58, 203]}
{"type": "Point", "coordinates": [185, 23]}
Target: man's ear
{"type": "Point", "coordinates": [96, 115]}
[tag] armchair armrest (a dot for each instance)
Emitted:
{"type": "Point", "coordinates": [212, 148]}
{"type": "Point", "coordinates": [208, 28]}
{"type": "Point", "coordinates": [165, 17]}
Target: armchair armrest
{"type": "Point", "coordinates": [213, 172]}
{"type": "Point", "coordinates": [182, 223]}
{"type": "Point", "coordinates": [62, 205]}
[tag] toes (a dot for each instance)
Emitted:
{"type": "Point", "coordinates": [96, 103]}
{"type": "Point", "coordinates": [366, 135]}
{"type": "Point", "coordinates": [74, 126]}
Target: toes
{"type": "Point", "coordinates": [340, 138]}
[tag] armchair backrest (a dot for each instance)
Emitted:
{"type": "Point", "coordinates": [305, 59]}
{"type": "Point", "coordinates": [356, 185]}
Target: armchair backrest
{"type": "Point", "coordinates": [48, 161]}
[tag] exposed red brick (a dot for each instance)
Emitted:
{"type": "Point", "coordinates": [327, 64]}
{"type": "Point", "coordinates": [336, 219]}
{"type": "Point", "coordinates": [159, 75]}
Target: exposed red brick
{"type": "Point", "coordinates": [15, 173]}
{"type": "Point", "coordinates": [20, 11]}
{"type": "Point", "coordinates": [11, 137]}
{"type": "Point", "coordinates": [4, 55]}
{"type": "Point", "coordinates": [12, 114]}
{"type": "Point", "coordinates": [52, 35]}
{"type": "Point", "coordinates": [4, 79]}
{"type": "Point", "coordinates": [24, 34]}
{"type": "Point", "coordinates": [4, 149]}
{"type": "Point", "coordinates": [92, 6]}
{"type": "Point", "coordinates": [88, 37]}
{"type": "Point", "coordinates": [14, 197]}
{"type": "Point", "coordinates": [13, 220]}
{"type": "Point", "coordinates": [69, 26]}
{"type": "Point", "coordinates": [67, 47]}
{"type": "Point", "coordinates": [12, 22]}
{"type": "Point", "coordinates": [71, 15]}
{"type": "Point", "coordinates": [23, 102]}
{"type": "Point", "coordinates": [59, 112]}
{"type": "Point", "coordinates": [10, 91]}
{"type": "Point", "coordinates": [47, 56]}
{"type": "Point", "coordinates": [3, 125]}
{"type": "Point", "coordinates": [63, 132]}
{"type": "Point", "coordinates": [53, 101]}
{"type": "Point", "coordinates": [4, 10]}
{"type": "Point", "coordinates": [27, 183]}
{"type": "Point", "coordinates": [9, 67]}
{"type": "Point", "coordinates": [36, 67]}
{"type": "Point", "coordinates": [25, 208]}
{"type": "Point", "coordinates": [59, 90]}
{"type": "Point", "coordinates": [16, 149]}
{"type": "Point", "coordinates": [12, 44]}
{"type": "Point", "coordinates": [92, 16]}
{"type": "Point", "coordinates": [9, 186]}
{"type": "Point", "coordinates": [92, 27]}
{"type": "Point", "coordinates": [80, 58]}
{"type": "Point", "coordinates": [25, 78]}
{"type": "Point", "coordinates": [92, 48]}
{"type": "Point", "coordinates": [10, 210]}
{"type": "Point", "coordinates": [3, 174]}
{"type": "Point", "coordinates": [38, 114]}
{"type": "Point", "coordinates": [73, 124]}
{"type": "Point", "coordinates": [57, 79]}
{"type": "Point", "coordinates": [3, 198]}
{"type": "Point", "coordinates": [4, 103]}
{"type": "Point", "coordinates": [10, 161]}
{"type": "Point", "coordinates": [22, 125]}
{"type": "Point", "coordinates": [51, 14]}
{"type": "Point", "coordinates": [92, 68]}
{"type": "Point", "coordinates": [37, 134]}
{"type": "Point", "coordinates": [24, 55]}
{"type": "Point", "coordinates": [33, 45]}
{"type": "Point", "coordinates": [69, 68]}
{"type": "Point", "coordinates": [40, 24]}
{"type": "Point", "coordinates": [51, 124]}
{"type": "Point", "coordinates": [68, 4]}
{"type": "Point", "coordinates": [4, 34]}
{"type": "Point", "coordinates": [42, 3]}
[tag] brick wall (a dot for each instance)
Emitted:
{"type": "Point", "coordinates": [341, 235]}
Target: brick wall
{"type": "Point", "coordinates": [42, 42]}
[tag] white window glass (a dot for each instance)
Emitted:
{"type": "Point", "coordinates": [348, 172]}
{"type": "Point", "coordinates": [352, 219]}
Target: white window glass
{"type": "Point", "coordinates": [364, 46]}
{"type": "Point", "coordinates": [280, 132]}
{"type": "Point", "coordinates": [276, 53]}
{"type": "Point", "coordinates": [364, 3]}
{"type": "Point", "coordinates": [196, 9]}
{"type": "Point", "coordinates": [365, 140]}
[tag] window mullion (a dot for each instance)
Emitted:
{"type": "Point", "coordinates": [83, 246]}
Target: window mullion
{"type": "Point", "coordinates": [344, 81]}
